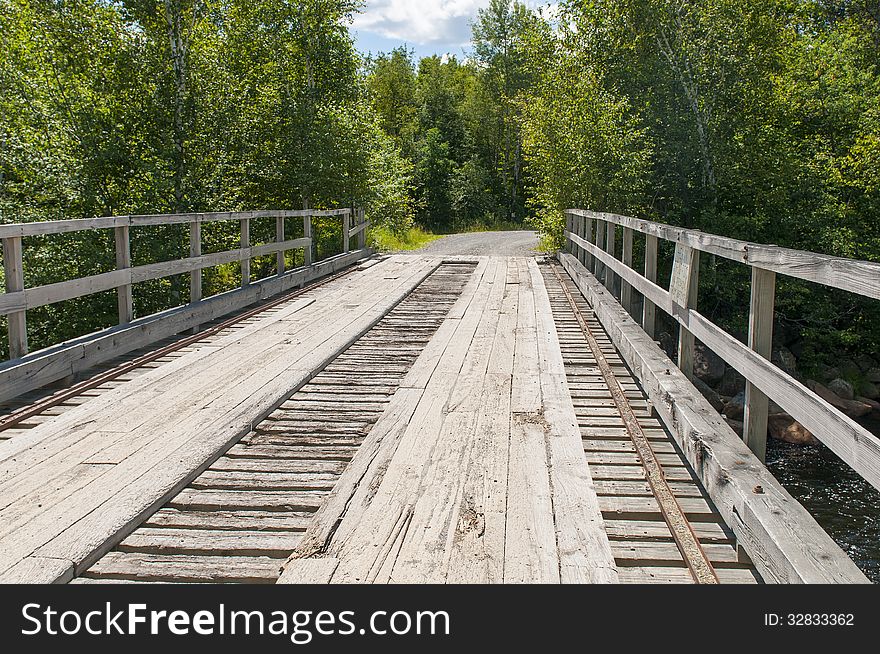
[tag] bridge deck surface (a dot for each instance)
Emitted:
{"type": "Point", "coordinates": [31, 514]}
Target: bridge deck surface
{"type": "Point", "coordinates": [472, 470]}
{"type": "Point", "coordinates": [70, 484]}
{"type": "Point", "coordinates": [476, 471]}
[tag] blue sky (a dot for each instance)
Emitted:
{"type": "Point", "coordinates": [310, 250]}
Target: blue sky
{"type": "Point", "coordinates": [426, 26]}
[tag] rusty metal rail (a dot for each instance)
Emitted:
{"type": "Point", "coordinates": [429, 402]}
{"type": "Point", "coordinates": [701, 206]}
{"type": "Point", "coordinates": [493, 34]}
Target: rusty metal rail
{"type": "Point", "coordinates": [686, 540]}
{"type": "Point", "coordinates": [20, 415]}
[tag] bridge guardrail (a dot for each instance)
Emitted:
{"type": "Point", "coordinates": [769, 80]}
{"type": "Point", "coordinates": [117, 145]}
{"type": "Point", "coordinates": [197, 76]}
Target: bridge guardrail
{"type": "Point", "coordinates": [590, 237]}
{"type": "Point", "coordinates": [17, 299]}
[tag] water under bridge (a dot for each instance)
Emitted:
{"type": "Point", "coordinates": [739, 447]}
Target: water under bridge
{"type": "Point", "coordinates": [408, 418]}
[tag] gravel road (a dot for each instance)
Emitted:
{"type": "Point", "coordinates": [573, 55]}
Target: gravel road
{"type": "Point", "coordinates": [507, 244]}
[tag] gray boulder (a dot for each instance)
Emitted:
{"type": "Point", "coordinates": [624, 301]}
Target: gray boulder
{"type": "Point", "coordinates": [708, 366]}
{"type": "Point", "coordinates": [842, 389]}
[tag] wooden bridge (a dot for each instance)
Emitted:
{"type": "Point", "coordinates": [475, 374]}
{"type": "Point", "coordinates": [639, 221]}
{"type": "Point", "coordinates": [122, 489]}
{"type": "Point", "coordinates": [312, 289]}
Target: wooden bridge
{"type": "Point", "coordinates": [405, 418]}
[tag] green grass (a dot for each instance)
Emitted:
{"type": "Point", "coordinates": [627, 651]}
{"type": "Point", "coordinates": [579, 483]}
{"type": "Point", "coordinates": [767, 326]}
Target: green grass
{"type": "Point", "coordinates": [385, 240]}
{"type": "Point", "coordinates": [548, 244]}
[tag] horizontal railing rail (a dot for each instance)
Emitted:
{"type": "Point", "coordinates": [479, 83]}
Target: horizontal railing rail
{"type": "Point", "coordinates": [18, 299]}
{"type": "Point", "coordinates": [590, 238]}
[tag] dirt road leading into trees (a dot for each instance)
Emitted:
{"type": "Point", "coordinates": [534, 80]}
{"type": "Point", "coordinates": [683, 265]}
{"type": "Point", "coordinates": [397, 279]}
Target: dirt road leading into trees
{"type": "Point", "coordinates": [505, 244]}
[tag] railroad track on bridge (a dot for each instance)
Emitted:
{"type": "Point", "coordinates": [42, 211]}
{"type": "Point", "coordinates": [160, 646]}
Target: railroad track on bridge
{"type": "Point", "coordinates": [660, 521]}
{"type": "Point", "coordinates": [241, 518]}
{"type": "Point", "coordinates": [522, 447]}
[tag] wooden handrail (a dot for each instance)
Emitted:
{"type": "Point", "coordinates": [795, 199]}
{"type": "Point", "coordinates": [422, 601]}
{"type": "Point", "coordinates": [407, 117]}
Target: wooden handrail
{"type": "Point", "coordinates": [860, 277]}
{"type": "Point", "coordinates": [83, 224]}
{"type": "Point", "coordinates": [18, 299]}
{"type": "Point", "coordinates": [854, 444]}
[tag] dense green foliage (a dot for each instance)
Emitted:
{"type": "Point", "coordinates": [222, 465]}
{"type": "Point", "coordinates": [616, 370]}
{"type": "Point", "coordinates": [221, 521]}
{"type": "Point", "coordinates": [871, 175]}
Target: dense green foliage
{"type": "Point", "coordinates": [153, 106]}
{"type": "Point", "coordinates": [758, 120]}
{"type": "Point", "coordinates": [459, 122]}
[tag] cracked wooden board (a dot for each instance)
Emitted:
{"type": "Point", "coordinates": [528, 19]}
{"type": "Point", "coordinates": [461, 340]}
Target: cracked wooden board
{"type": "Point", "coordinates": [176, 419]}
{"type": "Point", "coordinates": [449, 486]}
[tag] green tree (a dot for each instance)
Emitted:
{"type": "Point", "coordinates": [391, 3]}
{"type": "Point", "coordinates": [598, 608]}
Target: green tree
{"type": "Point", "coordinates": [500, 37]}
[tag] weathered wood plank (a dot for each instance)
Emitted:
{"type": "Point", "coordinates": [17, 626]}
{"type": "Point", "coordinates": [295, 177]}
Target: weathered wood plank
{"type": "Point", "coordinates": [82, 224]}
{"type": "Point", "coordinates": [861, 277]}
{"type": "Point", "coordinates": [308, 571]}
{"type": "Point", "coordinates": [761, 341]}
{"type": "Point", "coordinates": [648, 309]}
{"type": "Point", "coordinates": [780, 536]}
{"type": "Point", "coordinates": [244, 245]}
{"type": "Point", "coordinates": [43, 367]}
{"type": "Point", "coordinates": [633, 530]}
{"type": "Point", "coordinates": [850, 441]}
{"type": "Point", "coordinates": [219, 542]}
{"type": "Point", "coordinates": [584, 553]}
{"type": "Point", "coordinates": [195, 252]}
{"type": "Point", "coordinates": [123, 260]}
{"type": "Point", "coordinates": [183, 569]}
{"type": "Point", "coordinates": [672, 575]}
{"type": "Point", "coordinates": [626, 259]}
{"type": "Point", "coordinates": [232, 520]}
{"type": "Point", "coordinates": [14, 280]}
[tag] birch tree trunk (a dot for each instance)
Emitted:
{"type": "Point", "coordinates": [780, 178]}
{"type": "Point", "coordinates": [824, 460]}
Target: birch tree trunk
{"type": "Point", "coordinates": [682, 68]}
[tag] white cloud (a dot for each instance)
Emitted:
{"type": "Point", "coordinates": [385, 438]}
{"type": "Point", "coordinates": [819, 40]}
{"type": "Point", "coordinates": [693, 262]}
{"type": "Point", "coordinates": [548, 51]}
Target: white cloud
{"type": "Point", "coordinates": [423, 21]}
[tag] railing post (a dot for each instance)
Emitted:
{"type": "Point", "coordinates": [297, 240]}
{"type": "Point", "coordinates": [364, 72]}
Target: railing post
{"type": "Point", "coordinates": [648, 308]}
{"type": "Point", "coordinates": [761, 341]}
{"type": "Point", "coordinates": [346, 240]}
{"type": "Point", "coordinates": [307, 233]}
{"type": "Point", "coordinates": [195, 250]}
{"type": "Point", "coordinates": [598, 241]}
{"type": "Point", "coordinates": [568, 246]}
{"type": "Point", "coordinates": [279, 238]}
{"type": "Point", "coordinates": [588, 236]}
{"type": "Point", "coordinates": [609, 248]}
{"type": "Point", "coordinates": [14, 271]}
{"type": "Point", "coordinates": [690, 260]}
{"type": "Point", "coordinates": [362, 235]}
{"type": "Point", "coordinates": [627, 259]}
{"type": "Point", "coordinates": [245, 244]}
{"type": "Point", "coordinates": [123, 261]}
{"type": "Point", "coordinates": [579, 230]}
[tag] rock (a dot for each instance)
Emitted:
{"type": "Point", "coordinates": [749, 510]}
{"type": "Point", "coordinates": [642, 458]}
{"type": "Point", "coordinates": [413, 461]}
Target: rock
{"type": "Point", "coordinates": [851, 408]}
{"type": "Point", "coordinates": [873, 375]}
{"type": "Point", "coordinates": [842, 389]}
{"type": "Point", "coordinates": [866, 362]}
{"type": "Point", "coordinates": [785, 360]}
{"type": "Point", "coordinates": [783, 427]}
{"type": "Point", "coordinates": [708, 366]}
{"type": "Point", "coordinates": [736, 426]}
{"type": "Point", "coordinates": [870, 391]}
{"type": "Point", "coordinates": [827, 373]}
{"type": "Point", "coordinates": [731, 383]}
{"type": "Point", "coordinates": [709, 394]}
{"type": "Point", "coordinates": [735, 408]}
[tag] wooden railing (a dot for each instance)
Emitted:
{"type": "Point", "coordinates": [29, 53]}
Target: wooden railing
{"type": "Point", "coordinates": [17, 299]}
{"type": "Point", "coordinates": [590, 238]}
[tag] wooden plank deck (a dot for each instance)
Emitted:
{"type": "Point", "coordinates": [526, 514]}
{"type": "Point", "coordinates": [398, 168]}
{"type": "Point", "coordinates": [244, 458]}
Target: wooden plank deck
{"type": "Point", "coordinates": [476, 471]}
{"type": "Point", "coordinates": [466, 439]}
{"type": "Point", "coordinates": [74, 485]}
